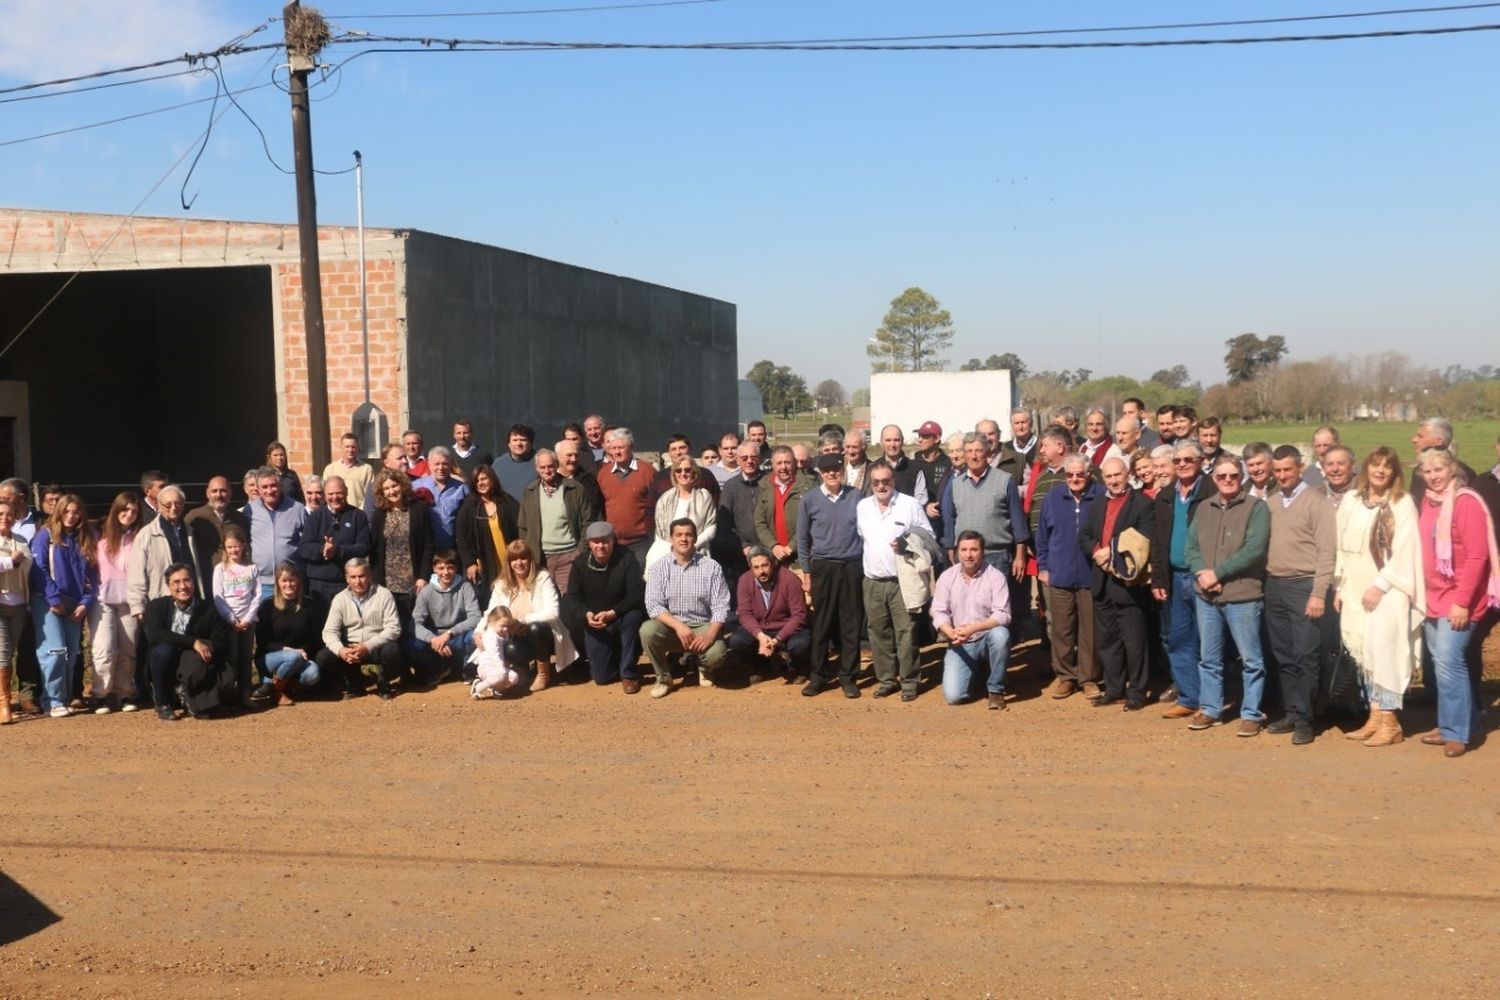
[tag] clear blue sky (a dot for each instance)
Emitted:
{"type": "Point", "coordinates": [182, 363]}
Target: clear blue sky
{"type": "Point", "coordinates": [1122, 210]}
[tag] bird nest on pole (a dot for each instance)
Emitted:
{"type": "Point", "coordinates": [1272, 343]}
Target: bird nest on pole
{"type": "Point", "coordinates": [306, 32]}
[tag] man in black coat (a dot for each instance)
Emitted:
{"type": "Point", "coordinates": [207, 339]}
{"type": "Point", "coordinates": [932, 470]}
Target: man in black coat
{"type": "Point", "coordinates": [332, 535]}
{"type": "Point", "coordinates": [187, 649]}
{"type": "Point", "coordinates": [606, 604]}
{"type": "Point", "coordinates": [1120, 603]}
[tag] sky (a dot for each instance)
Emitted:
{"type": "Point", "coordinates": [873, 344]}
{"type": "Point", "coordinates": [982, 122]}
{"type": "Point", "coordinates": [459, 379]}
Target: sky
{"type": "Point", "coordinates": [1121, 210]}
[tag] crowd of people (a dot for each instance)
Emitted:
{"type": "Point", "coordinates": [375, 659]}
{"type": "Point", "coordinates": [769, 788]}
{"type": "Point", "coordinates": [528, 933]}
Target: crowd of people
{"type": "Point", "coordinates": [1154, 565]}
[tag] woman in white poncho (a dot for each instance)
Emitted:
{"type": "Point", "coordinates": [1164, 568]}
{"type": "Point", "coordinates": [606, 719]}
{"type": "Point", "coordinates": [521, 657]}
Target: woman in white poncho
{"type": "Point", "coordinates": [1379, 590]}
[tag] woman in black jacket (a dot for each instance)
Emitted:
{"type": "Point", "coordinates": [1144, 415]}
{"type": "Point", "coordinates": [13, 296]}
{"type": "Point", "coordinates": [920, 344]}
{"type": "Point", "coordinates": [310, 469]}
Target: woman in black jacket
{"type": "Point", "coordinates": [402, 536]}
{"type": "Point", "coordinates": [288, 635]}
{"type": "Point", "coordinates": [484, 526]}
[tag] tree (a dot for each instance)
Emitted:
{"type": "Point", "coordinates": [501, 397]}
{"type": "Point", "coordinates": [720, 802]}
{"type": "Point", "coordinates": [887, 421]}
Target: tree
{"type": "Point", "coordinates": [861, 397]}
{"type": "Point", "coordinates": [1250, 355]}
{"type": "Point", "coordinates": [829, 394]}
{"type": "Point", "coordinates": [916, 327]}
{"type": "Point", "coordinates": [1173, 378]}
{"type": "Point", "coordinates": [997, 362]}
{"type": "Point", "coordinates": [780, 390]}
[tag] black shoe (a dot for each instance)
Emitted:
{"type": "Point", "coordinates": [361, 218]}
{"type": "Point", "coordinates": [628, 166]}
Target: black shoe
{"type": "Point", "coordinates": [851, 690]}
{"type": "Point", "coordinates": [1134, 706]}
{"type": "Point", "coordinates": [1302, 734]}
{"type": "Point", "coordinates": [814, 687]}
{"type": "Point", "coordinates": [887, 689]}
{"type": "Point", "coordinates": [1168, 696]}
{"type": "Point", "coordinates": [165, 714]}
{"type": "Point", "coordinates": [1105, 700]}
{"type": "Point", "coordinates": [383, 688]}
{"type": "Point", "coordinates": [1281, 726]}
{"type": "Point", "coordinates": [263, 694]}
{"type": "Point", "coordinates": [187, 703]}
{"type": "Point", "coordinates": [905, 695]}
{"type": "Point", "coordinates": [754, 679]}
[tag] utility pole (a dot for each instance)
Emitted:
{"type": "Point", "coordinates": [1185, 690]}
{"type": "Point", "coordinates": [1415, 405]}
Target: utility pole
{"type": "Point", "coordinates": [306, 32]}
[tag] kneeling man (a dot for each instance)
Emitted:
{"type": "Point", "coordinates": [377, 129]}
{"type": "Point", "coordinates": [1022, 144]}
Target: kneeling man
{"type": "Point", "coordinates": [971, 609]}
{"type": "Point", "coordinates": [773, 619]}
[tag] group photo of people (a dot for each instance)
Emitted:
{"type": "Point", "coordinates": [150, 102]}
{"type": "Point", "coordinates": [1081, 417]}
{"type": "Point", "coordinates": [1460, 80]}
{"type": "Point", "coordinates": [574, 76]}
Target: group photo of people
{"type": "Point", "coordinates": [1158, 571]}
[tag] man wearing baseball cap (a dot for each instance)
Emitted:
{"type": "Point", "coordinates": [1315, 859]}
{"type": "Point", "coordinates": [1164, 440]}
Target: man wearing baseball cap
{"type": "Point", "coordinates": [936, 468]}
{"type": "Point", "coordinates": [831, 556]}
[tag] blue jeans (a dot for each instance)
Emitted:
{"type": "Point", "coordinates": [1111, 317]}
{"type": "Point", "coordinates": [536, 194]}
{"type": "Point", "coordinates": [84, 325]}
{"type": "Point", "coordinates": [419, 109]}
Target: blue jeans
{"type": "Point", "coordinates": [59, 644]}
{"type": "Point", "coordinates": [459, 645]}
{"type": "Point", "coordinates": [1243, 621]}
{"type": "Point", "coordinates": [291, 665]}
{"type": "Point", "coordinates": [1457, 715]}
{"type": "Point", "coordinates": [962, 664]}
{"type": "Point", "coordinates": [1182, 636]}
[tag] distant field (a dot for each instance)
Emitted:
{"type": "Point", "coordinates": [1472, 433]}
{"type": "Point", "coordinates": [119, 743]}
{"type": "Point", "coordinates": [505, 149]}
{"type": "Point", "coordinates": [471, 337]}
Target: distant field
{"type": "Point", "coordinates": [1475, 439]}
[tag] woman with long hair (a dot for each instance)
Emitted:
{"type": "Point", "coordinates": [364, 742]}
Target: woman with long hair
{"type": "Point", "coordinates": [113, 630]}
{"type": "Point", "coordinates": [64, 584]}
{"type": "Point", "coordinates": [402, 540]}
{"type": "Point", "coordinates": [1461, 571]}
{"type": "Point", "coordinates": [1378, 590]}
{"type": "Point", "coordinates": [288, 635]}
{"type": "Point", "coordinates": [687, 498]}
{"type": "Point", "coordinates": [484, 526]}
{"type": "Point", "coordinates": [537, 633]}
{"type": "Point", "coordinates": [291, 485]}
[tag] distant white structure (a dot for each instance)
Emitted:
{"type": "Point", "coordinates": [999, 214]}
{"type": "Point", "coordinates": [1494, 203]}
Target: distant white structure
{"type": "Point", "coordinates": [956, 400]}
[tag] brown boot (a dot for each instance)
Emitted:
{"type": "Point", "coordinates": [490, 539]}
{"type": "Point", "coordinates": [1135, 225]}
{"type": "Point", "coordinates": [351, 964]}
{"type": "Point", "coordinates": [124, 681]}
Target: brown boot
{"type": "Point", "coordinates": [543, 675]}
{"type": "Point", "coordinates": [1372, 724]}
{"type": "Point", "coordinates": [6, 715]}
{"type": "Point", "coordinates": [283, 691]}
{"type": "Point", "coordinates": [1387, 731]}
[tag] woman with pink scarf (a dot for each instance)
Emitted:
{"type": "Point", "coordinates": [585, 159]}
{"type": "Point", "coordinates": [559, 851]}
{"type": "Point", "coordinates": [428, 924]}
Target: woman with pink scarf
{"type": "Point", "coordinates": [1462, 575]}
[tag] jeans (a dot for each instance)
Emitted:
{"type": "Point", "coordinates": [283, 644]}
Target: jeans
{"type": "Point", "coordinates": [1458, 716]}
{"type": "Point", "coordinates": [58, 647]}
{"type": "Point", "coordinates": [988, 654]}
{"type": "Point", "coordinates": [615, 649]}
{"type": "Point", "coordinates": [291, 666]}
{"type": "Point", "coordinates": [1181, 613]}
{"type": "Point", "coordinates": [1242, 619]}
{"type": "Point", "coordinates": [431, 661]}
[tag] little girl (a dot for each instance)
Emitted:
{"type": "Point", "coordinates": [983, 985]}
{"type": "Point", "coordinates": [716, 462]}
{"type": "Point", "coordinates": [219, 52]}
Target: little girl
{"type": "Point", "coordinates": [488, 657]}
{"type": "Point", "coordinates": [237, 597]}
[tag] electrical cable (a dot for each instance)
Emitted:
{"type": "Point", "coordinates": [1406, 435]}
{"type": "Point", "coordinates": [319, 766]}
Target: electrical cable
{"type": "Point", "coordinates": [535, 10]}
{"type": "Point", "coordinates": [101, 86]}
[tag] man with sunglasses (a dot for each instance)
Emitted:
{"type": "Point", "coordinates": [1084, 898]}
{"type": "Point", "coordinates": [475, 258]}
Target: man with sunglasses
{"type": "Point", "coordinates": [885, 519]}
{"type": "Point", "coordinates": [1172, 580]}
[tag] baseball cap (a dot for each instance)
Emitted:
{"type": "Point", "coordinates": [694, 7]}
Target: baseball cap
{"type": "Point", "coordinates": [929, 429]}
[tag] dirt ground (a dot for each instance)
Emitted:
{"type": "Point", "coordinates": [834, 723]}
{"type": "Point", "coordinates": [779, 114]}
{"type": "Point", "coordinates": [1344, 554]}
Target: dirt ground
{"type": "Point", "coordinates": [738, 842]}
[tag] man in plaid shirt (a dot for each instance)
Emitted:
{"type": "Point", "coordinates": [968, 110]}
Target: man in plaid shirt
{"type": "Point", "coordinates": [687, 600]}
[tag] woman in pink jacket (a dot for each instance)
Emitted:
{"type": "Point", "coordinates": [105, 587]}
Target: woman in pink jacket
{"type": "Point", "coordinates": [113, 630]}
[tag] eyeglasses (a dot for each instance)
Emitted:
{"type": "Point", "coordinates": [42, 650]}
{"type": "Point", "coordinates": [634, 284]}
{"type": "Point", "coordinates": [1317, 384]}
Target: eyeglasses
{"type": "Point", "coordinates": [1227, 477]}
{"type": "Point", "coordinates": [880, 482]}
{"type": "Point", "coordinates": [1077, 475]}
{"type": "Point", "coordinates": [1185, 461]}
{"type": "Point", "coordinates": [682, 472]}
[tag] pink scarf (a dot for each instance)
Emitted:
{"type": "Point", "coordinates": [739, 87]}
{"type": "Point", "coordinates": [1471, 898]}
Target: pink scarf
{"type": "Point", "coordinates": [1444, 538]}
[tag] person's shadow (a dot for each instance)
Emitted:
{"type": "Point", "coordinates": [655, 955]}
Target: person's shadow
{"type": "Point", "coordinates": [21, 913]}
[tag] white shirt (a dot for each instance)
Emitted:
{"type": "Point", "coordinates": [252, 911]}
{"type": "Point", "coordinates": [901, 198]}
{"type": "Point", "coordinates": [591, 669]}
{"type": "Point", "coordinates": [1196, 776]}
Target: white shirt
{"type": "Point", "coordinates": [878, 528]}
{"type": "Point", "coordinates": [1287, 498]}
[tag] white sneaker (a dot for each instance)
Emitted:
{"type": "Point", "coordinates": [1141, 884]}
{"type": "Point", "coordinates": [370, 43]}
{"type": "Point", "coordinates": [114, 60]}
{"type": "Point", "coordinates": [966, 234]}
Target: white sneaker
{"type": "Point", "coordinates": [660, 690]}
{"type": "Point", "coordinates": [60, 711]}
{"type": "Point", "coordinates": [129, 706]}
{"type": "Point", "coordinates": [705, 679]}
{"type": "Point", "coordinates": [103, 709]}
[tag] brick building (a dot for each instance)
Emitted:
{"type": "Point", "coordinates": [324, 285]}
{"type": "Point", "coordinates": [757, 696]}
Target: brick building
{"type": "Point", "coordinates": [180, 344]}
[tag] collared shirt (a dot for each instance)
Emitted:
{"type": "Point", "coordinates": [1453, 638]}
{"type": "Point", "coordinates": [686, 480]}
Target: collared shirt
{"type": "Point", "coordinates": [444, 511]}
{"type": "Point", "coordinates": [694, 593]}
{"type": "Point", "coordinates": [624, 470]}
{"type": "Point", "coordinates": [1287, 498]}
{"type": "Point", "coordinates": [878, 528]}
{"type": "Point", "coordinates": [961, 599]}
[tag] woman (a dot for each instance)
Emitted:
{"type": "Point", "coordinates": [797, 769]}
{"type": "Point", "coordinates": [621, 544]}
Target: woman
{"type": "Point", "coordinates": [1461, 571]}
{"type": "Point", "coordinates": [484, 526]}
{"type": "Point", "coordinates": [113, 630]}
{"type": "Point", "coordinates": [15, 571]}
{"type": "Point", "coordinates": [403, 542]}
{"type": "Point", "coordinates": [64, 585]}
{"type": "Point", "coordinates": [288, 635]}
{"type": "Point", "coordinates": [1378, 591]}
{"type": "Point", "coordinates": [687, 498]}
{"type": "Point", "coordinates": [532, 598]}
{"type": "Point", "coordinates": [1142, 471]}
{"type": "Point", "coordinates": [291, 486]}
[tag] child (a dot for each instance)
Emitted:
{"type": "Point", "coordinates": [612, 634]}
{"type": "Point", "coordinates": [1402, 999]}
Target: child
{"type": "Point", "coordinates": [237, 598]}
{"type": "Point", "coordinates": [494, 675]}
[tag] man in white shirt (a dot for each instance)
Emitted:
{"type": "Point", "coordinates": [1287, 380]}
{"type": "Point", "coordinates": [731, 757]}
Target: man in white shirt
{"type": "Point", "coordinates": [884, 519]}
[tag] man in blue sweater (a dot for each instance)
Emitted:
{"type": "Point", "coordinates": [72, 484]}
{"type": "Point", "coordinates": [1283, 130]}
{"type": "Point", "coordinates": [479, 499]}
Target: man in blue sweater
{"type": "Point", "coordinates": [829, 550]}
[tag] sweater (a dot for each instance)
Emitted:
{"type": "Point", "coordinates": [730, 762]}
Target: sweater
{"type": "Point", "coordinates": [275, 535]}
{"type": "Point", "coordinates": [60, 573]}
{"type": "Point", "coordinates": [1231, 539]}
{"type": "Point", "coordinates": [289, 627]}
{"type": "Point", "coordinates": [236, 592]}
{"type": "Point", "coordinates": [372, 623]}
{"type": "Point", "coordinates": [1471, 557]}
{"type": "Point", "coordinates": [765, 509]}
{"type": "Point", "coordinates": [1059, 552]}
{"type": "Point", "coordinates": [626, 506]}
{"type": "Point", "coordinates": [455, 610]}
{"type": "Point", "coordinates": [14, 589]}
{"type": "Point", "coordinates": [991, 506]}
{"type": "Point", "coordinates": [350, 531]}
{"type": "Point", "coordinates": [619, 586]}
{"type": "Point", "coordinates": [1304, 539]}
{"type": "Point", "coordinates": [828, 528]}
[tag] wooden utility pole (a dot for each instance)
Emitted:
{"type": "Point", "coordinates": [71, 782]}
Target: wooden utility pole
{"type": "Point", "coordinates": [306, 32]}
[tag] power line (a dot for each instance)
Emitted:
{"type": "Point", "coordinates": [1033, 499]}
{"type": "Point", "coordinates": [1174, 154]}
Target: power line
{"type": "Point", "coordinates": [534, 10]}
{"type": "Point", "coordinates": [126, 118]}
{"type": "Point", "coordinates": [102, 86]}
{"type": "Point", "coordinates": [191, 58]}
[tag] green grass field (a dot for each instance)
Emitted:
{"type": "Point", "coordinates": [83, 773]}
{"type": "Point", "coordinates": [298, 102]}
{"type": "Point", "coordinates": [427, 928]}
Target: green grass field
{"type": "Point", "coordinates": [1475, 438]}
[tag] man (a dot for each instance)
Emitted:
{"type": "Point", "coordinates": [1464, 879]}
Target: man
{"type": "Point", "coordinates": [779, 503]}
{"type": "Point", "coordinates": [206, 524]}
{"type": "Point", "coordinates": [738, 498]}
{"type": "Point", "coordinates": [1121, 598]}
{"type": "Point", "coordinates": [773, 633]}
{"type": "Point", "coordinates": [1226, 551]}
{"type": "Point", "coordinates": [1185, 425]}
{"type": "Point", "coordinates": [936, 468]}
{"type": "Point", "coordinates": [570, 466]}
{"type": "Point", "coordinates": [885, 519]}
{"type": "Point", "coordinates": [593, 436]}
{"type": "Point", "coordinates": [1323, 439]}
{"type": "Point", "coordinates": [416, 460]}
{"type": "Point", "coordinates": [986, 500]}
{"type": "Point", "coordinates": [152, 481]}
{"type": "Point", "coordinates": [1023, 438]}
{"type": "Point", "coordinates": [465, 454]}
{"type": "Point", "coordinates": [1134, 408]}
{"type": "Point", "coordinates": [625, 482]}
{"type": "Point", "coordinates": [1434, 432]}
{"type": "Point", "coordinates": [1063, 568]}
{"type": "Point", "coordinates": [687, 601]}
{"type": "Point", "coordinates": [555, 511]}
{"type": "Point", "coordinates": [443, 622]}
{"type": "Point", "coordinates": [1209, 435]}
{"type": "Point", "coordinates": [1053, 445]}
{"type": "Point", "coordinates": [971, 610]}
{"type": "Point", "coordinates": [1127, 437]}
{"type": "Point", "coordinates": [1259, 483]}
{"type": "Point", "coordinates": [831, 557]}
{"type": "Point", "coordinates": [910, 480]}
{"type": "Point", "coordinates": [28, 670]}
{"type": "Point", "coordinates": [356, 473]}
{"type": "Point", "coordinates": [312, 492]}
{"type": "Point", "coordinates": [187, 649]}
{"type": "Point", "coordinates": [333, 534]}
{"type": "Point", "coordinates": [755, 433]}
{"type": "Point", "coordinates": [1000, 456]}
{"type": "Point", "coordinates": [1067, 418]}
{"type": "Point", "coordinates": [1166, 423]}
{"type": "Point", "coordinates": [1337, 475]}
{"type": "Point", "coordinates": [363, 628]}
{"type": "Point", "coordinates": [830, 442]}
{"type": "Point", "coordinates": [163, 543]}
{"type": "Point", "coordinates": [801, 454]}
{"type": "Point", "coordinates": [1172, 579]}
{"type": "Point", "coordinates": [276, 526]}
{"type": "Point", "coordinates": [606, 603]}
{"type": "Point", "coordinates": [856, 461]}
{"type": "Point", "coordinates": [728, 465]}
{"type": "Point", "coordinates": [447, 492]}
{"type": "Point", "coordinates": [1097, 445]}
{"type": "Point", "coordinates": [1299, 571]}
{"type": "Point", "coordinates": [516, 469]}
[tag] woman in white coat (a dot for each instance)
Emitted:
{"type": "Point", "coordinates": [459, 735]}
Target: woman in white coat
{"type": "Point", "coordinates": [687, 498]}
{"type": "Point", "coordinates": [536, 635]}
{"type": "Point", "coordinates": [1379, 590]}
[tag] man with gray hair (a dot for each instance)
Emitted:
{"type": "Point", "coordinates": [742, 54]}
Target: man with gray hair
{"type": "Point", "coordinates": [448, 494]}
{"type": "Point", "coordinates": [986, 500]}
{"type": "Point", "coordinates": [1434, 432]}
{"type": "Point", "coordinates": [555, 512]}
{"type": "Point", "coordinates": [1172, 581]}
{"type": "Point", "coordinates": [1063, 568]}
{"type": "Point", "coordinates": [625, 483]}
{"type": "Point", "coordinates": [363, 629]}
{"type": "Point", "coordinates": [276, 524]}
{"type": "Point", "coordinates": [162, 543]}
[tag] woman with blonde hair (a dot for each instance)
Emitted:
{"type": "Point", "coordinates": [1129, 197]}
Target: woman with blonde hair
{"type": "Point", "coordinates": [1379, 592]}
{"type": "Point", "coordinates": [113, 630]}
{"type": "Point", "coordinates": [536, 635]}
{"type": "Point", "coordinates": [687, 498]}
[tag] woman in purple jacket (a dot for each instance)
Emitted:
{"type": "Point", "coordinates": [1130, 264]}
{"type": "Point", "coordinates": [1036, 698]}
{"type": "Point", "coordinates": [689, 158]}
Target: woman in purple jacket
{"type": "Point", "coordinates": [64, 584]}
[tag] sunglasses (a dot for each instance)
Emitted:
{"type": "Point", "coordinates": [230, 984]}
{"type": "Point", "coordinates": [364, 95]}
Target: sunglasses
{"type": "Point", "coordinates": [1185, 461]}
{"type": "Point", "coordinates": [1077, 475]}
{"type": "Point", "coordinates": [1227, 477]}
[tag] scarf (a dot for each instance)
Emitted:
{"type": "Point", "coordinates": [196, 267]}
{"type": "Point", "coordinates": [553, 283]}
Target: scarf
{"type": "Point", "coordinates": [1448, 499]}
{"type": "Point", "coordinates": [1383, 532]}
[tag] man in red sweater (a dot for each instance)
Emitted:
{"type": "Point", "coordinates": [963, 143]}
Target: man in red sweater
{"type": "Point", "coordinates": [625, 483]}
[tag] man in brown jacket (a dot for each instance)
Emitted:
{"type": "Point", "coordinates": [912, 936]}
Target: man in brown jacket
{"type": "Point", "coordinates": [555, 510]}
